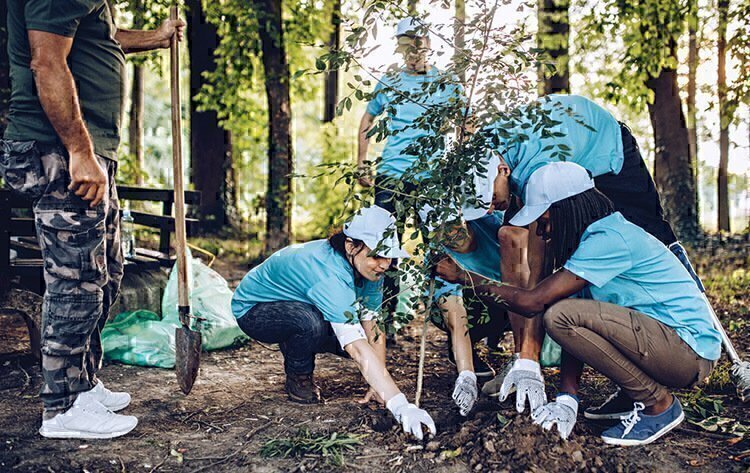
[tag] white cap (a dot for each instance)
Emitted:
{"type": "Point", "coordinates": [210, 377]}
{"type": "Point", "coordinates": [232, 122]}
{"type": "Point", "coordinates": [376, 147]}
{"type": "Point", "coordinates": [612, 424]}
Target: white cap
{"type": "Point", "coordinates": [476, 206]}
{"type": "Point", "coordinates": [371, 224]}
{"type": "Point", "coordinates": [551, 183]}
{"type": "Point", "coordinates": [411, 26]}
{"type": "Point", "coordinates": [484, 188]}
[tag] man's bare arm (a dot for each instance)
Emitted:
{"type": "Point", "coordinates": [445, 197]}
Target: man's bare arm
{"type": "Point", "coordinates": [59, 99]}
{"type": "Point", "coordinates": [135, 41]}
{"type": "Point", "coordinates": [363, 144]}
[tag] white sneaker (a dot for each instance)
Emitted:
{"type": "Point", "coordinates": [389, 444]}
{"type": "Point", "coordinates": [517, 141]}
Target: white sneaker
{"type": "Point", "coordinates": [112, 401]}
{"type": "Point", "coordinates": [87, 419]}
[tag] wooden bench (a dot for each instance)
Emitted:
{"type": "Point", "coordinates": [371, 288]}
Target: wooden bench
{"type": "Point", "coordinates": [21, 278]}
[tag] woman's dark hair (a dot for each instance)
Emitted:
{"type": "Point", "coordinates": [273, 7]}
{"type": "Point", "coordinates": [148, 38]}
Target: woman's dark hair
{"type": "Point", "coordinates": [338, 243]}
{"type": "Point", "coordinates": [569, 219]}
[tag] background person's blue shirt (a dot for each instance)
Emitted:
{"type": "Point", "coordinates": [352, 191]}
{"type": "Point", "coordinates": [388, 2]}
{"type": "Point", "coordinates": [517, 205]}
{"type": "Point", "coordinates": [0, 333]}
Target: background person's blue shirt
{"type": "Point", "coordinates": [312, 273]}
{"type": "Point", "coordinates": [598, 149]}
{"type": "Point", "coordinates": [404, 113]}
{"type": "Point", "coordinates": [628, 267]}
{"type": "Point", "coordinates": [484, 259]}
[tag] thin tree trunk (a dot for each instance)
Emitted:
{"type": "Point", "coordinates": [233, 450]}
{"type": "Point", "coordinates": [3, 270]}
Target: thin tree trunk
{"type": "Point", "coordinates": [672, 172]}
{"type": "Point", "coordinates": [135, 128]}
{"type": "Point", "coordinates": [693, 60]}
{"type": "Point", "coordinates": [210, 145]}
{"type": "Point", "coordinates": [554, 38]}
{"type": "Point", "coordinates": [724, 119]}
{"type": "Point", "coordinates": [412, 7]}
{"type": "Point", "coordinates": [459, 36]}
{"type": "Point", "coordinates": [4, 65]}
{"type": "Point", "coordinates": [332, 77]}
{"type": "Point", "coordinates": [280, 162]}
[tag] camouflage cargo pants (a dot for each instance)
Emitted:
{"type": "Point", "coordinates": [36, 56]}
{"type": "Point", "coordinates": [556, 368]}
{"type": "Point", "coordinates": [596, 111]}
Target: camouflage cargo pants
{"type": "Point", "coordinates": [82, 265]}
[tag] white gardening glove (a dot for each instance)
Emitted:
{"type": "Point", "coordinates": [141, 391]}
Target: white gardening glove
{"type": "Point", "coordinates": [410, 416]}
{"type": "Point", "coordinates": [526, 377]}
{"type": "Point", "coordinates": [562, 412]}
{"type": "Point", "coordinates": [465, 393]}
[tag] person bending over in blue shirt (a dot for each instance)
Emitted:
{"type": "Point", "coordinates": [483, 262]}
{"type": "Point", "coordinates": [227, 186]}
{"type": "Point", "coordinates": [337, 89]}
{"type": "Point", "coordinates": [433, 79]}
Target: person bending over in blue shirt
{"type": "Point", "coordinates": [580, 131]}
{"type": "Point", "coordinates": [322, 297]}
{"type": "Point", "coordinates": [644, 324]}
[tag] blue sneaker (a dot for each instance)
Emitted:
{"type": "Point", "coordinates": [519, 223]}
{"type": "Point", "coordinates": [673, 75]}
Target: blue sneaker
{"type": "Point", "coordinates": [642, 429]}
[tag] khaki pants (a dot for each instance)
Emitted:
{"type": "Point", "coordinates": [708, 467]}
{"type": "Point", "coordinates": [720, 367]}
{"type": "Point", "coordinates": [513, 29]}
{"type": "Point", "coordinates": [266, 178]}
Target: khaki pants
{"type": "Point", "coordinates": [640, 354]}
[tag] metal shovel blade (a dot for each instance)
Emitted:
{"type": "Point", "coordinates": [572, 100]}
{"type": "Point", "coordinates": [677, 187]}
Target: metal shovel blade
{"type": "Point", "coordinates": [188, 357]}
{"type": "Point", "coordinates": [741, 378]}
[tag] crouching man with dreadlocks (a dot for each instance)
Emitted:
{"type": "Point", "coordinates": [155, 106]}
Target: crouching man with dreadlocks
{"type": "Point", "coordinates": [643, 322]}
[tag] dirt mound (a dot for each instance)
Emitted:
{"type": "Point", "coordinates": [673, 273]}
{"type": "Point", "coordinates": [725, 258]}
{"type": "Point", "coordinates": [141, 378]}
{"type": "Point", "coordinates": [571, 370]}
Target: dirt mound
{"type": "Point", "coordinates": [494, 442]}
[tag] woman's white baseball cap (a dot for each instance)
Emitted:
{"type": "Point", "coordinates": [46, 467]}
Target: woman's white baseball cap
{"type": "Point", "coordinates": [551, 183]}
{"type": "Point", "coordinates": [376, 227]}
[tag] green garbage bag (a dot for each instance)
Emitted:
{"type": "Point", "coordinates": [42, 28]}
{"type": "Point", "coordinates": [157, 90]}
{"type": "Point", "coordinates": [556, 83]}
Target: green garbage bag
{"type": "Point", "coordinates": [551, 353]}
{"type": "Point", "coordinates": [141, 338]}
{"type": "Point", "coordinates": [210, 299]}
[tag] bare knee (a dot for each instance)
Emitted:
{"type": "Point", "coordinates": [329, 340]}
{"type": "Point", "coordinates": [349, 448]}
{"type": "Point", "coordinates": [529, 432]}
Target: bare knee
{"type": "Point", "coordinates": [510, 237]}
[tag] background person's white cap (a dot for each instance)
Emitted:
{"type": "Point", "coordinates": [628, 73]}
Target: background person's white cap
{"type": "Point", "coordinates": [370, 225]}
{"type": "Point", "coordinates": [551, 183]}
{"type": "Point", "coordinates": [411, 26]}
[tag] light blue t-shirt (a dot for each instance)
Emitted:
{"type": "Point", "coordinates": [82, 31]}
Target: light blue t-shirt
{"type": "Point", "coordinates": [404, 113]}
{"type": "Point", "coordinates": [588, 132]}
{"type": "Point", "coordinates": [484, 259]}
{"type": "Point", "coordinates": [628, 267]}
{"type": "Point", "coordinates": [312, 273]}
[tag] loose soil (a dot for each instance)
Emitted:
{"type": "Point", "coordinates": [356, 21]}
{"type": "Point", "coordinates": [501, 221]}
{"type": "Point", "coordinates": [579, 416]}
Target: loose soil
{"type": "Point", "coordinates": [238, 404]}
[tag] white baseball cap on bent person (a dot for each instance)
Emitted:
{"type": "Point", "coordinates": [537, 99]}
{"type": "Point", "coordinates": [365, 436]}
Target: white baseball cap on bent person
{"type": "Point", "coordinates": [476, 202]}
{"type": "Point", "coordinates": [412, 27]}
{"type": "Point", "coordinates": [376, 227]}
{"type": "Point", "coordinates": [551, 183]}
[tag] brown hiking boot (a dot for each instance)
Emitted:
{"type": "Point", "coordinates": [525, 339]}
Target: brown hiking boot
{"type": "Point", "coordinates": [301, 388]}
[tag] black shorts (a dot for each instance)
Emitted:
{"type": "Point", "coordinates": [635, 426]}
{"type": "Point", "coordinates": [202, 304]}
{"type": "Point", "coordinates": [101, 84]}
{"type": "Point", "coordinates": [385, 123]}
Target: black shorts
{"type": "Point", "coordinates": [633, 192]}
{"type": "Point", "coordinates": [484, 320]}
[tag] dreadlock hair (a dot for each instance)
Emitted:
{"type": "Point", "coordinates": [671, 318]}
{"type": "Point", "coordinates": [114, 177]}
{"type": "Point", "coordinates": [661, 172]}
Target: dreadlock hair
{"type": "Point", "coordinates": [338, 243]}
{"type": "Point", "coordinates": [569, 218]}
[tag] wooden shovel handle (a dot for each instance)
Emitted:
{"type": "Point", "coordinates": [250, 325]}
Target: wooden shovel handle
{"type": "Point", "coordinates": [179, 186]}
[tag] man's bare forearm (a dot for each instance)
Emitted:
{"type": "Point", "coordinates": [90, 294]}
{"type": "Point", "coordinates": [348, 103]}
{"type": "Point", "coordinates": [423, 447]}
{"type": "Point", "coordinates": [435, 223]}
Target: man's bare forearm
{"type": "Point", "coordinates": [59, 99]}
{"type": "Point", "coordinates": [136, 41]}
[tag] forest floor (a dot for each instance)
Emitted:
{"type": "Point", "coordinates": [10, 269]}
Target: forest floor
{"type": "Point", "coordinates": [238, 409]}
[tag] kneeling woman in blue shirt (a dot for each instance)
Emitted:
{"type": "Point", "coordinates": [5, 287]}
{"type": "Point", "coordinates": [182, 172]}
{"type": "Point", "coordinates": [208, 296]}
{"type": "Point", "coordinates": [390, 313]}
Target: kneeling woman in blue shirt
{"type": "Point", "coordinates": [322, 297]}
{"type": "Point", "coordinates": [643, 322]}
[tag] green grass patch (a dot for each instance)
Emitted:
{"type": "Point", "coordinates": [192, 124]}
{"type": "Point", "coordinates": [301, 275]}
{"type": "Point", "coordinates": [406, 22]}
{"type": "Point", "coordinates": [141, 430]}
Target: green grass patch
{"type": "Point", "coordinates": [331, 447]}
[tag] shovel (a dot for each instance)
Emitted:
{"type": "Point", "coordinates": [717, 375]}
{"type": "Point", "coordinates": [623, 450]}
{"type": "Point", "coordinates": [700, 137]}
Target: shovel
{"type": "Point", "coordinates": [187, 339]}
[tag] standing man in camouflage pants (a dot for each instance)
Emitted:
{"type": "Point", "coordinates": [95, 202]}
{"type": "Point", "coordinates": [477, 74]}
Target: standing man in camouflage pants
{"type": "Point", "coordinates": [67, 65]}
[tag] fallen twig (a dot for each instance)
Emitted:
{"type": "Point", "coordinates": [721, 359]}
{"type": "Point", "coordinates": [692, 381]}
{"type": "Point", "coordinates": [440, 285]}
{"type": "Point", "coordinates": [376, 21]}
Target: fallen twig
{"type": "Point", "coordinates": [226, 458]}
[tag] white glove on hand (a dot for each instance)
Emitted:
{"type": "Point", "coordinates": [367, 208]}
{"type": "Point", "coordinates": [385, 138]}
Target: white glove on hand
{"type": "Point", "coordinates": [526, 377]}
{"type": "Point", "coordinates": [410, 416]}
{"type": "Point", "coordinates": [465, 393]}
{"type": "Point", "coordinates": [562, 412]}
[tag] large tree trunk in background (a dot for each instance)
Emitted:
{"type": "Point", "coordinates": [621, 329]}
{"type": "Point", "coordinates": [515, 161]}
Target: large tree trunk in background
{"type": "Point", "coordinates": [332, 77]}
{"type": "Point", "coordinates": [724, 119]}
{"type": "Point", "coordinates": [692, 113]}
{"type": "Point", "coordinates": [135, 128]}
{"type": "Point", "coordinates": [554, 38]}
{"type": "Point", "coordinates": [210, 145]}
{"type": "Point", "coordinates": [672, 172]}
{"type": "Point", "coordinates": [4, 73]}
{"type": "Point", "coordinates": [280, 163]}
